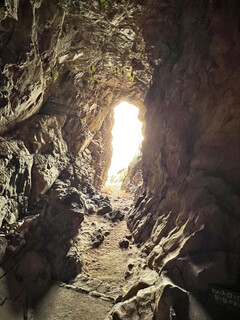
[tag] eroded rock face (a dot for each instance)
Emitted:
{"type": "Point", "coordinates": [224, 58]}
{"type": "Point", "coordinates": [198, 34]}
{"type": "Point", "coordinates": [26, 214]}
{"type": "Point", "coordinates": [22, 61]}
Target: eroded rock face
{"type": "Point", "coordinates": [64, 65]}
{"type": "Point", "coordinates": [191, 149]}
{"type": "Point", "coordinates": [133, 181]}
{"type": "Point", "coordinates": [15, 179]}
{"type": "Point", "coordinates": [68, 62]}
{"type": "Point", "coordinates": [40, 248]}
{"type": "Point", "coordinates": [43, 137]}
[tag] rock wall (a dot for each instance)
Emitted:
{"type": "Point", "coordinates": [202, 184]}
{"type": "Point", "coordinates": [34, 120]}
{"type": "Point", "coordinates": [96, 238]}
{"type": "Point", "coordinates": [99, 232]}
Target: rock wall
{"type": "Point", "coordinates": [132, 181]}
{"type": "Point", "coordinates": [188, 218]}
{"type": "Point", "coordinates": [64, 65]}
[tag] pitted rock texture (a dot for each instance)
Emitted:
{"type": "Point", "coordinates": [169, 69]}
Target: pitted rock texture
{"type": "Point", "coordinates": [101, 283]}
{"type": "Point", "coordinates": [69, 62]}
{"type": "Point", "coordinates": [15, 179]}
{"type": "Point", "coordinates": [42, 136]}
{"type": "Point", "coordinates": [190, 210]}
{"type": "Point", "coordinates": [64, 66]}
{"type": "Point", "coordinates": [41, 247]}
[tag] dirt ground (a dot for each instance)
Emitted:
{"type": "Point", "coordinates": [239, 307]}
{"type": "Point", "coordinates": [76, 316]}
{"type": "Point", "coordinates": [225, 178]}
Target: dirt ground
{"type": "Point", "coordinates": [108, 262]}
{"type": "Point", "coordinates": [92, 294]}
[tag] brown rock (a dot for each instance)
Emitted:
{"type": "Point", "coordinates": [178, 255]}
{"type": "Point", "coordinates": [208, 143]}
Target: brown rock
{"type": "Point", "coordinates": [124, 244]}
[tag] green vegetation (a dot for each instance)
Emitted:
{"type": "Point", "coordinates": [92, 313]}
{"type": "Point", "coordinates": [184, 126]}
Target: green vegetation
{"type": "Point", "coordinates": [92, 72]}
{"type": "Point", "coordinates": [116, 70]}
{"type": "Point", "coordinates": [105, 3]}
{"type": "Point", "coordinates": [131, 76]}
{"type": "Point", "coordinates": [55, 74]}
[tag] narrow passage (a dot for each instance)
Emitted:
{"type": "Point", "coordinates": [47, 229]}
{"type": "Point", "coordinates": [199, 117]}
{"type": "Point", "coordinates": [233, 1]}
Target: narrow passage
{"type": "Point", "coordinates": [107, 253]}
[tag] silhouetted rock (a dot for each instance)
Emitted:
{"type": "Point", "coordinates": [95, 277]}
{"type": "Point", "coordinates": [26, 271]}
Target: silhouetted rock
{"type": "Point", "coordinates": [105, 209]}
{"type": "Point", "coordinates": [124, 244]}
{"type": "Point", "coordinates": [97, 238]}
{"type": "Point", "coordinates": [115, 215]}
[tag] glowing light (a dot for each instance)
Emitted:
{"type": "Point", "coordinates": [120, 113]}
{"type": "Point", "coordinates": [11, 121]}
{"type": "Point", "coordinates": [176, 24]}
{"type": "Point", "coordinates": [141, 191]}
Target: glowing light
{"type": "Point", "coordinates": [127, 138]}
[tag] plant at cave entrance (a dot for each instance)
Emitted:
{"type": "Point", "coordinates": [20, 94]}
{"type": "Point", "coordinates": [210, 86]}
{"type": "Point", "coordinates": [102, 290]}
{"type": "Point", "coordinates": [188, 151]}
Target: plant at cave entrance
{"type": "Point", "coordinates": [131, 76]}
{"type": "Point", "coordinates": [83, 121]}
{"type": "Point", "coordinates": [119, 177]}
{"type": "Point", "coordinates": [116, 70]}
{"type": "Point", "coordinates": [92, 70]}
{"type": "Point", "coordinates": [55, 74]}
{"type": "Point", "coordinates": [105, 3]}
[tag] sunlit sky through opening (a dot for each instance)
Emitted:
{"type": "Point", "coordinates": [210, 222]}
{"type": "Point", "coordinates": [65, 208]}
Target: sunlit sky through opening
{"type": "Point", "coordinates": [127, 138]}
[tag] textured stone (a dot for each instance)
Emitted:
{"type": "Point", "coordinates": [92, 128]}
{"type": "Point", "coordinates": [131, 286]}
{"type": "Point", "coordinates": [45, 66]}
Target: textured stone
{"type": "Point", "coordinates": [97, 238]}
{"type": "Point", "coordinates": [43, 138]}
{"type": "Point", "coordinates": [3, 246]}
{"type": "Point", "coordinates": [133, 179]}
{"type": "Point", "coordinates": [39, 249]}
{"type": "Point", "coordinates": [72, 62]}
{"type": "Point", "coordinates": [190, 151]}
{"type": "Point", "coordinates": [15, 179]}
{"type": "Point", "coordinates": [32, 268]}
{"type": "Point", "coordinates": [115, 215]}
{"type": "Point", "coordinates": [124, 243]}
{"type": "Point", "coordinates": [105, 209]}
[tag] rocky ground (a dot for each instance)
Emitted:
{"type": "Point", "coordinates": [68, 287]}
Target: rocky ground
{"type": "Point", "coordinates": [108, 255]}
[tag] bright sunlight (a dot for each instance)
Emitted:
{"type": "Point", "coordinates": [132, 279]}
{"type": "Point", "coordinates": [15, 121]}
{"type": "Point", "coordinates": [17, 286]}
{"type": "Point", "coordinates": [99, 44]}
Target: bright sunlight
{"type": "Point", "coordinates": [127, 138]}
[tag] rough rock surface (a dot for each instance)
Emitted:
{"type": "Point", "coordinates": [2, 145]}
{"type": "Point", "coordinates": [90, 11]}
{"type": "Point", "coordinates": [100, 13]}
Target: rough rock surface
{"type": "Point", "coordinates": [191, 148]}
{"type": "Point", "coordinates": [15, 179]}
{"type": "Point", "coordinates": [133, 182]}
{"type": "Point", "coordinates": [64, 66]}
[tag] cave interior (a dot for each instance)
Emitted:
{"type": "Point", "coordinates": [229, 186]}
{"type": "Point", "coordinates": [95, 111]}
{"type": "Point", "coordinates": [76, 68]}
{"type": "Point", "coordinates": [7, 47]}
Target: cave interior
{"type": "Point", "coordinates": [166, 246]}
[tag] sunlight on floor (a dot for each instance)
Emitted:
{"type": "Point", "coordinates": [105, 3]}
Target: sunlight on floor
{"type": "Point", "coordinates": [127, 139]}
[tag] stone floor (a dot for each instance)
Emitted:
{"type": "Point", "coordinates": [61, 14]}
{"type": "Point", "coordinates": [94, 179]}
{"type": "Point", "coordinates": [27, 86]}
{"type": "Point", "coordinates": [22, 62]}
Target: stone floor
{"type": "Point", "coordinates": [66, 303]}
{"type": "Point", "coordinates": [92, 294]}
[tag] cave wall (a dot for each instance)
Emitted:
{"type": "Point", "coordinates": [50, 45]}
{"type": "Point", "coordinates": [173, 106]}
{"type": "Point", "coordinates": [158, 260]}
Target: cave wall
{"type": "Point", "coordinates": [188, 220]}
{"type": "Point", "coordinates": [64, 65]}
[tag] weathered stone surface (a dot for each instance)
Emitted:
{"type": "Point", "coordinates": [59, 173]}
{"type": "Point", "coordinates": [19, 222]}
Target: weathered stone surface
{"type": "Point", "coordinates": [190, 151]}
{"type": "Point", "coordinates": [32, 270]}
{"type": "Point", "coordinates": [97, 238]}
{"type": "Point", "coordinates": [153, 300]}
{"type": "Point", "coordinates": [124, 243]}
{"type": "Point", "coordinates": [132, 182]}
{"type": "Point", "coordinates": [43, 137]}
{"type": "Point", "coordinates": [39, 249]}
{"type": "Point", "coordinates": [198, 270]}
{"type": "Point", "coordinates": [15, 179]}
{"type": "Point", "coordinates": [105, 209]}
{"type": "Point", "coordinates": [144, 279]}
{"type": "Point", "coordinates": [71, 62]}
{"type": "Point", "coordinates": [90, 285]}
{"type": "Point", "coordinates": [115, 215]}
{"type": "Point", "coordinates": [3, 246]}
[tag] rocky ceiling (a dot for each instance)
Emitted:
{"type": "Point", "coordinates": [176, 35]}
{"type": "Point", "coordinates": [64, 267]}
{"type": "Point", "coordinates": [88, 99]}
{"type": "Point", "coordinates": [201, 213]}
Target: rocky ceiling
{"type": "Point", "coordinates": [64, 65]}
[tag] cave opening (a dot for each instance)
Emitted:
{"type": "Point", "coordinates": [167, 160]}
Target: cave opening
{"type": "Point", "coordinates": [127, 137]}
